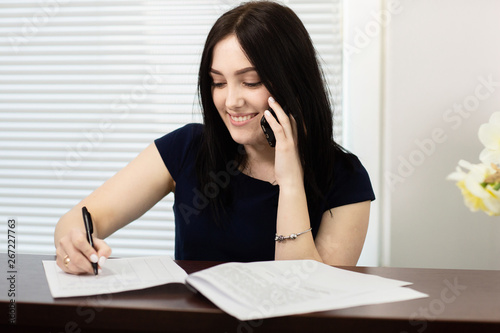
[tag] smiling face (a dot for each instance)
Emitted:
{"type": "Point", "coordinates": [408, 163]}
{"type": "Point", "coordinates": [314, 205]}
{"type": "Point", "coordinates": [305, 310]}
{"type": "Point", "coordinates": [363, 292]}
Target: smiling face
{"type": "Point", "coordinates": [238, 93]}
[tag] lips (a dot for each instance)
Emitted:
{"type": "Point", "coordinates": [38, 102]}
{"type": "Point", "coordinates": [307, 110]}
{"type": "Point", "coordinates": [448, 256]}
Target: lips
{"type": "Point", "coordinates": [241, 119]}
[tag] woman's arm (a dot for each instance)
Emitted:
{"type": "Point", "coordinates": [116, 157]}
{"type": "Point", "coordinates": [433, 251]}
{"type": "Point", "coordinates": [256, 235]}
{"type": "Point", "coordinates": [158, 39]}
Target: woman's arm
{"type": "Point", "coordinates": [293, 215]}
{"type": "Point", "coordinates": [339, 240]}
{"type": "Point", "coordinates": [119, 201]}
{"type": "Point", "coordinates": [342, 232]}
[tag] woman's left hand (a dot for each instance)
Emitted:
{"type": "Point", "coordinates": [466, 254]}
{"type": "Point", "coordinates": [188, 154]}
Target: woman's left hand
{"type": "Point", "coordinates": [287, 166]}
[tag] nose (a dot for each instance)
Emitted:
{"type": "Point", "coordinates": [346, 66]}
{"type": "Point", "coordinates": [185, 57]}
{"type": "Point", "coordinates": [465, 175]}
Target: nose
{"type": "Point", "coordinates": [234, 98]}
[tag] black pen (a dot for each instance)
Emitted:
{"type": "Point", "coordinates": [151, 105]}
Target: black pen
{"type": "Point", "coordinates": [89, 228]}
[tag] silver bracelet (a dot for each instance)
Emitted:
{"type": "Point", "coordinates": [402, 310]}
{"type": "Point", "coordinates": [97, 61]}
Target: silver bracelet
{"type": "Point", "coordinates": [281, 238]}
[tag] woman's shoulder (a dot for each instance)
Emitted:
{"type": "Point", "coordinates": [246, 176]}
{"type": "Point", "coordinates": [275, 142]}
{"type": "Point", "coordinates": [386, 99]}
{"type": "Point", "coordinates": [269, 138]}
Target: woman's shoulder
{"type": "Point", "coordinates": [188, 130]}
{"type": "Point", "coordinates": [345, 161]}
{"type": "Point", "coordinates": [187, 133]}
{"type": "Point", "coordinates": [178, 148]}
{"type": "Point", "coordinates": [351, 181]}
{"type": "Point", "coordinates": [192, 127]}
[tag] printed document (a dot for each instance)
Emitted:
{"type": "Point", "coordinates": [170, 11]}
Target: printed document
{"type": "Point", "coordinates": [118, 275]}
{"type": "Point", "coordinates": [250, 291]}
{"type": "Point", "coordinates": [247, 291]}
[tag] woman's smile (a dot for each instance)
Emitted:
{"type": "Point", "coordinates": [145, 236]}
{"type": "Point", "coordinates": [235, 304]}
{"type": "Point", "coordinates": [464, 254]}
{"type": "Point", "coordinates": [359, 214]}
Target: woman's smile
{"type": "Point", "coordinates": [240, 119]}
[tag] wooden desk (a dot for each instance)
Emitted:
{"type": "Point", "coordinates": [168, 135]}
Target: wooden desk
{"type": "Point", "coordinates": [460, 301]}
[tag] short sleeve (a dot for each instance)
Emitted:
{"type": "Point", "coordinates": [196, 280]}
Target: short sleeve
{"type": "Point", "coordinates": [176, 147]}
{"type": "Point", "coordinates": [351, 182]}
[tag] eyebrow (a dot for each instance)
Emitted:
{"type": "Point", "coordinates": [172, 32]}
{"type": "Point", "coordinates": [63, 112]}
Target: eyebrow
{"type": "Point", "coordinates": [238, 72]}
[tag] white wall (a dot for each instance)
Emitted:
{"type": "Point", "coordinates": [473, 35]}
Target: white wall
{"type": "Point", "coordinates": [409, 66]}
{"type": "Point", "coordinates": [362, 113]}
{"type": "Point", "coordinates": [437, 56]}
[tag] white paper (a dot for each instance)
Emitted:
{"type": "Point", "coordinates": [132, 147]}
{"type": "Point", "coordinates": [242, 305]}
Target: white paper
{"type": "Point", "coordinates": [117, 275]}
{"type": "Point", "coordinates": [247, 291]}
{"type": "Point", "coordinates": [250, 291]}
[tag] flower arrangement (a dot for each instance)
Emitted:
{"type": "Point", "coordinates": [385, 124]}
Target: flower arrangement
{"type": "Point", "coordinates": [480, 183]}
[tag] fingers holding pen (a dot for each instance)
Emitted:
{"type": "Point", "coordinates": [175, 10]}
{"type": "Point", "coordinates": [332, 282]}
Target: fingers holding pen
{"type": "Point", "coordinates": [69, 258]}
{"type": "Point", "coordinates": [103, 251]}
{"type": "Point", "coordinates": [74, 253]}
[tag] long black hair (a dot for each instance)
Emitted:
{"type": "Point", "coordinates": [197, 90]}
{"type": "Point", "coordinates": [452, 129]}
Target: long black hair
{"type": "Point", "coordinates": [279, 47]}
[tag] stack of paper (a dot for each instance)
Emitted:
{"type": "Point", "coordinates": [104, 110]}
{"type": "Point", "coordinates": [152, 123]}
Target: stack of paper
{"type": "Point", "coordinates": [247, 291]}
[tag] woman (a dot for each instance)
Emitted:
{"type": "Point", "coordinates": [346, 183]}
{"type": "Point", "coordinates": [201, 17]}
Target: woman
{"type": "Point", "coordinates": [236, 197]}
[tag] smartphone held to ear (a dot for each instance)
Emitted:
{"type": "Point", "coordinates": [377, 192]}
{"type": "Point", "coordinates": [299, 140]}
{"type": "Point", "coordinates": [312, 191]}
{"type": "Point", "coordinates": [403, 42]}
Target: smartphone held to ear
{"type": "Point", "coordinates": [268, 132]}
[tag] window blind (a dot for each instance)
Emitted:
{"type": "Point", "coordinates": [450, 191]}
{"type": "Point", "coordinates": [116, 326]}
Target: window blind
{"type": "Point", "coordinates": [86, 85]}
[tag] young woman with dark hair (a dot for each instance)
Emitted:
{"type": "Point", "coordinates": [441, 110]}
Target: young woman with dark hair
{"type": "Point", "coordinates": [237, 198]}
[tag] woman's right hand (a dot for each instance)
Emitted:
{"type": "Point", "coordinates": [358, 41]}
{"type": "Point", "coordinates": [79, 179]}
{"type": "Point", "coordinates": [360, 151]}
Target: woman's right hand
{"type": "Point", "coordinates": [75, 255]}
{"type": "Point", "coordinates": [120, 200]}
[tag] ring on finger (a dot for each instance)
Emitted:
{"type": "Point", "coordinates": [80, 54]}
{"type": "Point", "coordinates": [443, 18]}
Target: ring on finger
{"type": "Point", "coordinates": [66, 260]}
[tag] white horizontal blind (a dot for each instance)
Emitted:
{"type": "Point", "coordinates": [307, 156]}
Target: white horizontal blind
{"type": "Point", "coordinates": [86, 85]}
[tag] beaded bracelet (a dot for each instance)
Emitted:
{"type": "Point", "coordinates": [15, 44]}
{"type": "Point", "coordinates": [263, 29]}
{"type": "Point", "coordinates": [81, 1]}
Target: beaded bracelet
{"type": "Point", "coordinates": [281, 238]}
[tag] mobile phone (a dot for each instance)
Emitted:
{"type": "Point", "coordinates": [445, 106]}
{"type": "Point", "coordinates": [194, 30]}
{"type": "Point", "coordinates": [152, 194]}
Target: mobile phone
{"type": "Point", "coordinates": [268, 132]}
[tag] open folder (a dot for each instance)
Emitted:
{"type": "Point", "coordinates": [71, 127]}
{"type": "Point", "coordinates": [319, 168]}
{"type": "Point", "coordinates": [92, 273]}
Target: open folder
{"type": "Point", "coordinates": [247, 291]}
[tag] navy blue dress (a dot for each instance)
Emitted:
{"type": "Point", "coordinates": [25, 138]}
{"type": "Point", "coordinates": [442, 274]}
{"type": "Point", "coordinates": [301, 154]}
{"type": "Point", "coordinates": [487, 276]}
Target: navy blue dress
{"type": "Point", "coordinates": [247, 233]}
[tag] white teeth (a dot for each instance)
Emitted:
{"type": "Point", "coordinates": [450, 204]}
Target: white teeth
{"type": "Point", "coordinates": [240, 118]}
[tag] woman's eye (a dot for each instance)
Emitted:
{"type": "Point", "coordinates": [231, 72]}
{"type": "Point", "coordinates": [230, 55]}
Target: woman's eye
{"type": "Point", "coordinates": [253, 84]}
{"type": "Point", "coordinates": [218, 84]}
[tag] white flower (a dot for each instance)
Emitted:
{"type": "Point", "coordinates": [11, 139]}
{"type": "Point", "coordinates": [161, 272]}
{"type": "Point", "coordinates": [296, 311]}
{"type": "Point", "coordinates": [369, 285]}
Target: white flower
{"type": "Point", "coordinates": [489, 135]}
{"type": "Point", "coordinates": [478, 194]}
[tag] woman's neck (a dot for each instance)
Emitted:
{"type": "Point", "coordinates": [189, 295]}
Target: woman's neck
{"type": "Point", "coordinates": [259, 162]}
